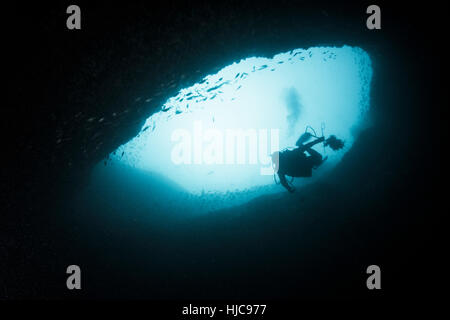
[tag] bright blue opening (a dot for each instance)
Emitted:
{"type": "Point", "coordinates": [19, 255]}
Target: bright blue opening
{"type": "Point", "coordinates": [271, 101]}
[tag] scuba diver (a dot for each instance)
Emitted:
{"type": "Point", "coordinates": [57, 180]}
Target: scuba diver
{"type": "Point", "coordinates": [296, 163]}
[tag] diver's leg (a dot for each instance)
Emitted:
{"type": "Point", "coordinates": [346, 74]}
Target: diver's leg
{"type": "Point", "coordinates": [284, 182]}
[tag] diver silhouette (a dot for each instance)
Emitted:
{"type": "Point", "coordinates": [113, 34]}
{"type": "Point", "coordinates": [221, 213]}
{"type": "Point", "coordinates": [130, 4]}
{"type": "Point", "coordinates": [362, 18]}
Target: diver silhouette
{"type": "Point", "coordinates": [296, 163]}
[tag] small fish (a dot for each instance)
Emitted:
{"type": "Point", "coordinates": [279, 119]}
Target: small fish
{"type": "Point", "coordinates": [263, 67]}
{"type": "Point", "coordinates": [244, 74]}
{"type": "Point", "coordinates": [214, 88]}
{"type": "Point", "coordinates": [237, 75]}
{"type": "Point", "coordinates": [98, 134]}
{"type": "Point", "coordinates": [123, 152]}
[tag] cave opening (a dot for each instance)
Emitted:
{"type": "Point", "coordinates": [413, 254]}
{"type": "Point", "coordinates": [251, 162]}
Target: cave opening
{"type": "Point", "coordinates": [213, 140]}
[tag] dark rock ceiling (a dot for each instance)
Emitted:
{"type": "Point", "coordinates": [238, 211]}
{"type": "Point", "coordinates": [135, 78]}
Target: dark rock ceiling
{"type": "Point", "coordinates": [77, 95]}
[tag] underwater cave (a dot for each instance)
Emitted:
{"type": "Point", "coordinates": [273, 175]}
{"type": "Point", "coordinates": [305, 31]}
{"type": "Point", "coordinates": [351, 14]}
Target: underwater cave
{"type": "Point", "coordinates": [211, 143]}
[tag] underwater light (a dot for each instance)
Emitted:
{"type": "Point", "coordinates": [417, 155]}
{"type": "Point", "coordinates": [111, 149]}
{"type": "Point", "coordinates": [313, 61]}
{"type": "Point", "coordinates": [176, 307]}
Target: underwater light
{"type": "Point", "coordinates": [217, 135]}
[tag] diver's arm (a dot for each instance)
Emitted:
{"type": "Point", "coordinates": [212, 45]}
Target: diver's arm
{"type": "Point", "coordinates": [284, 182]}
{"type": "Point", "coordinates": [312, 143]}
{"type": "Point", "coordinates": [313, 153]}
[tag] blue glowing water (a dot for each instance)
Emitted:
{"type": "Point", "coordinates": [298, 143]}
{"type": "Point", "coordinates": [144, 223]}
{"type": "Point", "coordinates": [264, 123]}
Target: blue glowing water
{"type": "Point", "coordinates": [271, 101]}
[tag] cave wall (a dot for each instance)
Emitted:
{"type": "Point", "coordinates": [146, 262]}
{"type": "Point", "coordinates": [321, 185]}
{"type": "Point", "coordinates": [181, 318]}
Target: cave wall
{"type": "Point", "coordinates": [75, 96]}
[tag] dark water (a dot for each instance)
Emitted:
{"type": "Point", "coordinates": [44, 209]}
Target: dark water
{"type": "Point", "coordinates": [138, 235]}
{"type": "Point", "coordinates": [314, 243]}
{"type": "Point", "coordinates": [379, 205]}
